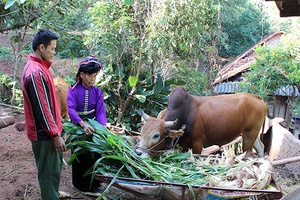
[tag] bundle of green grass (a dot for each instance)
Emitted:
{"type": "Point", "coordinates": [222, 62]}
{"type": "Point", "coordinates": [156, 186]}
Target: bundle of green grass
{"type": "Point", "coordinates": [118, 159]}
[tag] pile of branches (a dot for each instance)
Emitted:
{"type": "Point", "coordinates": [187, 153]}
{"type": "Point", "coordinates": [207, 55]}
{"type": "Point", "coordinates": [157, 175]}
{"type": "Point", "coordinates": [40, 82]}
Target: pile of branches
{"type": "Point", "coordinates": [118, 159]}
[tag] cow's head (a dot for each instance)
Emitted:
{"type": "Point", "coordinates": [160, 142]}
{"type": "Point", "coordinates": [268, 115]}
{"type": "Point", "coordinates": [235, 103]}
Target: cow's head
{"type": "Point", "coordinates": [153, 135]}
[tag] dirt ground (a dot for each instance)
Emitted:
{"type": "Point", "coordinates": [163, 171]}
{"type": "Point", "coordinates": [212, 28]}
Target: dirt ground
{"type": "Point", "coordinates": [18, 170]}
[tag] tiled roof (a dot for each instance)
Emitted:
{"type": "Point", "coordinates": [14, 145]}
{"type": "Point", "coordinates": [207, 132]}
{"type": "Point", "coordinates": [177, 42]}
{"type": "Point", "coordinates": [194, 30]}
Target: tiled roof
{"type": "Point", "coordinates": [242, 62]}
{"type": "Point", "coordinates": [226, 88]}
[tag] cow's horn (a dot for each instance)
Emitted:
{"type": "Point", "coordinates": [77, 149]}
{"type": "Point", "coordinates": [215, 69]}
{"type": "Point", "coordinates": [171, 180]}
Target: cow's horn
{"type": "Point", "coordinates": [169, 124]}
{"type": "Point", "coordinates": [145, 116]}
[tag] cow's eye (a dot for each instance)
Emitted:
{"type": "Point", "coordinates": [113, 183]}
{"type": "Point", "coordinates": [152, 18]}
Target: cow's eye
{"type": "Point", "coordinates": [156, 136]}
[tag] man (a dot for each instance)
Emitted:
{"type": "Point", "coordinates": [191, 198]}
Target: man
{"type": "Point", "coordinates": [42, 114]}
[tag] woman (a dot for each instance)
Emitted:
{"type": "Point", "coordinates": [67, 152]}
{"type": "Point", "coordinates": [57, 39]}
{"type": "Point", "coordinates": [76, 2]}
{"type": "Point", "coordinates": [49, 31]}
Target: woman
{"type": "Point", "coordinates": [86, 101]}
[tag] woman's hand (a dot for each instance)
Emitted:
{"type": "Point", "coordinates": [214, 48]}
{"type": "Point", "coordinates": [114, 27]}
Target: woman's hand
{"type": "Point", "coordinates": [88, 129]}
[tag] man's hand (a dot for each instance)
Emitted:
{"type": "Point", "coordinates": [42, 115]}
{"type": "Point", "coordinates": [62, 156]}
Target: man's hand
{"type": "Point", "coordinates": [59, 144]}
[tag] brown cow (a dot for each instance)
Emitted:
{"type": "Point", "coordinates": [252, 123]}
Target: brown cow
{"type": "Point", "coordinates": [214, 120]}
{"type": "Point", "coordinates": [61, 87]}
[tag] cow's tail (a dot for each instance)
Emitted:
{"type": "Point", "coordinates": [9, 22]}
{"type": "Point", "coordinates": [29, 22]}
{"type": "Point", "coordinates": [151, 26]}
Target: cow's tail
{"type": "Point", "coordinates": [263, 129]}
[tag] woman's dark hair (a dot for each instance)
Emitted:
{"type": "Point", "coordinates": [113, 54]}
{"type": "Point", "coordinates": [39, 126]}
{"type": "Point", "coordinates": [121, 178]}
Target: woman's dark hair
{"type": "Point", "coordinates": [89, 68]}
{"type": "Point", "coordinates": [43, 37]}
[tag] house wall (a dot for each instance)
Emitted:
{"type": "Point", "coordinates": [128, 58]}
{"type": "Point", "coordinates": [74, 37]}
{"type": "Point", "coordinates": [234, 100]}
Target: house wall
{"type": "Point", "coordinates": [280, 107]}
{"type": "Point", "coordinates": [277, 107]}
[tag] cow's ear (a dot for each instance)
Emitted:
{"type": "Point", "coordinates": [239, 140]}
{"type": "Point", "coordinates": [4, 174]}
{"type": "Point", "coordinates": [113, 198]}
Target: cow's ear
{"type": "Point", "coordinates": [175, 133]}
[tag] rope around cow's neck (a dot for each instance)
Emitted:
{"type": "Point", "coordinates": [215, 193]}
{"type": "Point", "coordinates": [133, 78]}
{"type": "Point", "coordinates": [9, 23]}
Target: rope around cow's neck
{"type": "Point", "coordinates": [172, 145]}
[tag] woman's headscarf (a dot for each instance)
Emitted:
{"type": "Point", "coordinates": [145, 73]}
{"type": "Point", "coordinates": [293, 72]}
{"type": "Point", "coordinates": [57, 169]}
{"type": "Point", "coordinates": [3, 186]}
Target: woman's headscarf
{"type": "Point", "coordinates": [89, 65]}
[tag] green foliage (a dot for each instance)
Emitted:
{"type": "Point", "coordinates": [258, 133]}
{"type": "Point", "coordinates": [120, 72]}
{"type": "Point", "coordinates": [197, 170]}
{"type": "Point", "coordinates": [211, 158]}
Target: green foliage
{"type": "Point", "coordinates": [275, 67]}
{"type": "Point", "coordinates": [183, 34]}
{"type": "Point", "coordinates": [181, 29]}
{"type": "Point", "coordinates": [242, 25]}
{"type": "Point", "coordinates": [194, 81]}
{"type": "Point", "coordinates": [164, 30]}
{"type": "Point", "coordinates": [60, 16]}
{"type": "Point", "coordinates": [264, 72]}
{"type": "Point", "coordinates": [296, 106]}
{"type": "Point", "coordinates": [139, 40]}
{"type": "Point", "coordinates": [71, 46]}
{"type": "Point", "coordinates": [63, 17]}
{"type": "Point", "coordinates": [150, 95]}
{"type": "Point", "coordinates": [4, 51]}
{"type": "Point", "coordinates": [24, 18]}
{"type": "Point", "coordinates": [70, 80]}
{"type": "Point", "coordinates": [112, 32]}
{"type": "Point", "coordinates": [27, 48]}
{"type": "Point", "coordinates": [289, 57]}
{"type": "Point", "coordinates": [10, 3]}
{"type": "Point", "coordinates": [6, 85]}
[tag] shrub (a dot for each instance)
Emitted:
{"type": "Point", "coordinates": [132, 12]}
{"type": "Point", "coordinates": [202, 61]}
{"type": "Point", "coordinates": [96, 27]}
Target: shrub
{"type": "Point", "coordinates": [4, 51]}
{"type": "Point", "coordinates": [6, 87]}
{"type": "Point", "coordinates": [71, 46]}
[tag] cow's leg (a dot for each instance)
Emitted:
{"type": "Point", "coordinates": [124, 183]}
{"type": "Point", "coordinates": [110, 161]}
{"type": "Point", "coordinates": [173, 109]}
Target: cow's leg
{"type": "Point", "coordinates": [259, 146]}
{"type": "Point", "coordinates": [197, 147]}
{"type": "Point", "coordinates": [251, 140]}
{"type": "Point", "coordinates": [248, 141]}
{"type": "Point", "coordinates": [188, 143]}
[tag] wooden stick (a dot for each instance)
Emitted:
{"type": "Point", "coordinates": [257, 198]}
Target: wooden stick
{"type": "Point", "coordinates": [215, 148]}
{"type": "Point", "coordinates": [286, 161]}
{"type": "Point", "coordinates": [20, 109]}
